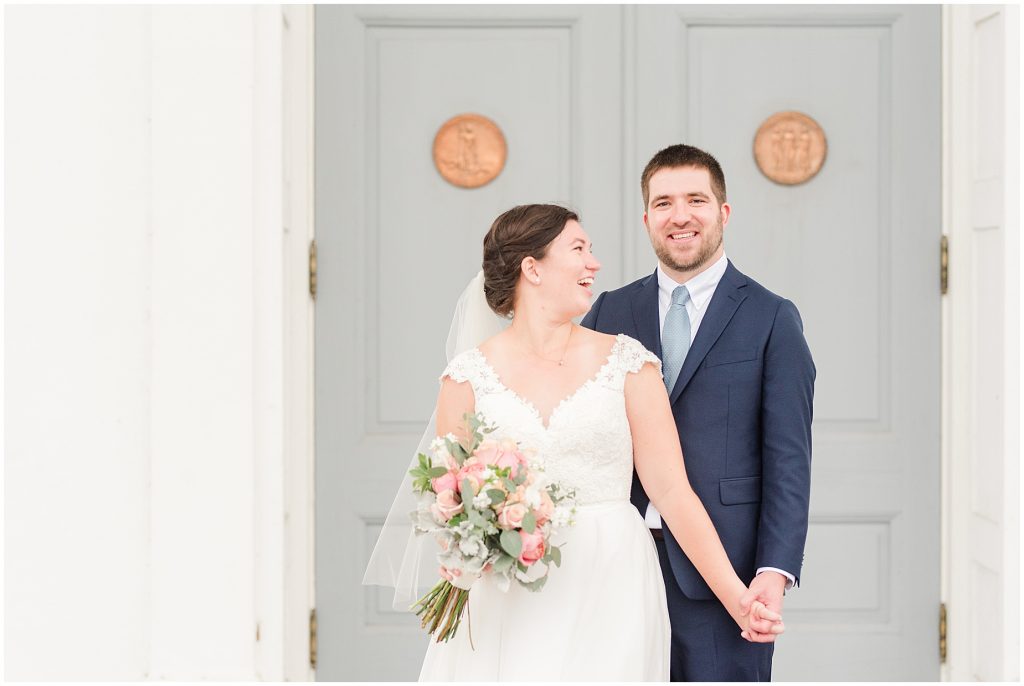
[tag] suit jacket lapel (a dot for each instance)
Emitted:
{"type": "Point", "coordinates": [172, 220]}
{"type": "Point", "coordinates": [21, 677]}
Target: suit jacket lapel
{"type": "Point", "coordinates": [724, 303]}
{"type": "Point", "coordinates": [645, 314]}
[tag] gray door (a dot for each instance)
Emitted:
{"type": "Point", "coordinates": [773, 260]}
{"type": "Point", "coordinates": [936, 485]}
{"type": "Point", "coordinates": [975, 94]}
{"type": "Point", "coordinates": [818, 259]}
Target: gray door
{"type": "Point", "coordinates": [856, 248]}
{"type": "Point", "coordinates": [398, 243]}
{"type": "Point", "coordinates": [584, 96]}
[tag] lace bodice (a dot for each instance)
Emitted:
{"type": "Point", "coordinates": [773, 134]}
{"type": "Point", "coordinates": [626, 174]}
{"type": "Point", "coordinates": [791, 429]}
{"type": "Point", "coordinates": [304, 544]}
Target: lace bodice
{"type": "Point", "coordinates": [587, 444]}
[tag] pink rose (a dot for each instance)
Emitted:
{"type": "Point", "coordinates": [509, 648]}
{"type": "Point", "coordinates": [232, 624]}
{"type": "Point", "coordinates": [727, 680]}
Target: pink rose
{"type": "Point", "coordinates": [511, 516]}
{"type": "Point", "coordinates": [445, 482]}
{"type": "Point", "coordinates": [533, 547]}
{"type": "Point", "coordinates": [473, 470]}
{"type": "Point", "coordinates": [447, 506]}
{"type": "Point", "coordinates": [513, 459]}
{"type": "Point", "coordinates": [546, 509]}
{"type": "Point", "coordinates": [488, 451]}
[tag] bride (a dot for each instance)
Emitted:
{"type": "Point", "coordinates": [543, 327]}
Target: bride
{"type": "Point", "coordinates": [595, 408]}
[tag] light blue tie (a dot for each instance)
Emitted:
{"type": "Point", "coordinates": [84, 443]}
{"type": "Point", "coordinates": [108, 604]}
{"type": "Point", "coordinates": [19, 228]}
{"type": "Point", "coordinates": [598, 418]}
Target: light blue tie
{"type": "Point", "coordinates": [675, 336]}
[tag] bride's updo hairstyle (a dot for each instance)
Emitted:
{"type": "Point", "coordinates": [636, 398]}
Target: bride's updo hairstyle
{"type": "Point", "coordinates": [524, 231]}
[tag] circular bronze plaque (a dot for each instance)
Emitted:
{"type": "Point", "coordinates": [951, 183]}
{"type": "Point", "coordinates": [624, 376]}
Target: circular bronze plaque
{"type": "Point", "coordinates": [790, 148]}
{"type": "Point", "coordinates": [469, 150]}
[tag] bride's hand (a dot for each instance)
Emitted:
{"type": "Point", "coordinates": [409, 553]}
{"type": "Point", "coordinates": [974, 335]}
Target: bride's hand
{"type": "Point", "coordinates": [761, 625]}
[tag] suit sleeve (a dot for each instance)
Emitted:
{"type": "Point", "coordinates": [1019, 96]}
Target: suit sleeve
{"type": "Point", "coordinates": [590, 321]}
{"type": "Point", "coordinates": [786, 411]}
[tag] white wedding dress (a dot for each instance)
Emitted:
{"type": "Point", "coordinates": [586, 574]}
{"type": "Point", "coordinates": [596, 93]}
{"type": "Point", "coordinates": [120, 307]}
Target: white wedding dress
{"type": "Point", "coordinates": [602, 615]}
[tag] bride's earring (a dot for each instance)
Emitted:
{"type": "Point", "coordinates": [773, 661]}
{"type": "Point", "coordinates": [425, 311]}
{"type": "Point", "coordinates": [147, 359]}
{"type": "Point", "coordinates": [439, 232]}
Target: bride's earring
{"type": "Point", "coordinates": [537, 281]}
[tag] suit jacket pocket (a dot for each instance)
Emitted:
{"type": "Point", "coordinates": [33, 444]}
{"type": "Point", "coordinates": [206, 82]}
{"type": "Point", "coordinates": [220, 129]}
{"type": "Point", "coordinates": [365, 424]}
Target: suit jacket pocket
{"type": "Point", "coordinates": [746, 489]}
{"type": "Point", "coordinates": [730, 356]}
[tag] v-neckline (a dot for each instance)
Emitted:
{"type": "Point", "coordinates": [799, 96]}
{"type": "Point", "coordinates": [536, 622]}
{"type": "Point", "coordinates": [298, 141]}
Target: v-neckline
{"type": "Point", "coordinates": [558, 406]}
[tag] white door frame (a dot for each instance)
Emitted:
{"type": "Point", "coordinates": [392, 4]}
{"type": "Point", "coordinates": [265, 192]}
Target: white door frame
{"type": "Point", "coordinates": [298, 78]}
{"type": "Point", "coordinates": [297, 178]}
{"type": "Point", "coordinates": [981, 214]}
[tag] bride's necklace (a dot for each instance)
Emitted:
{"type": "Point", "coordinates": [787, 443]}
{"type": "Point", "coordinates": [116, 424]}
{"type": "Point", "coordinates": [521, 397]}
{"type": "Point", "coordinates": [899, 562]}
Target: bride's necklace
{"type": "Point", "coordinates": [559, 362]}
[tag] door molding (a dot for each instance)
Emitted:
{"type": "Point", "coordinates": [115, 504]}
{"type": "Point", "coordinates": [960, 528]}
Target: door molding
{"type": "Point", "coordinates": [298, 383]}
{"type": "Point", "coordinates": [981, 390]}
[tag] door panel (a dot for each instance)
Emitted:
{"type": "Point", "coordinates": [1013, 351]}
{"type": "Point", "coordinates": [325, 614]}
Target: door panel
{"type": "Point", "coordinates": [397, 244]}
{"type": "Point", "coordinates": [855, 249]}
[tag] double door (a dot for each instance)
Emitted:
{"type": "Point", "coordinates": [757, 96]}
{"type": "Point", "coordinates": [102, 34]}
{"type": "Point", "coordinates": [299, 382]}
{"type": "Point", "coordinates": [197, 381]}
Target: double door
{"type": "Point", "coordinates": [584, 95]}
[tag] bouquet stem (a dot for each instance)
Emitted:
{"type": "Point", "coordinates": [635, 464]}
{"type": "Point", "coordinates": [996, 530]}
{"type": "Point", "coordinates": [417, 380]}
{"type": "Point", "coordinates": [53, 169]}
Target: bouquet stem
{"type": "Point", "coordinates": [442, 606]}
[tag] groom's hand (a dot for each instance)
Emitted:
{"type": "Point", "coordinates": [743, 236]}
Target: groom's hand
{"type": "Point", "coordinates": [767, 588]}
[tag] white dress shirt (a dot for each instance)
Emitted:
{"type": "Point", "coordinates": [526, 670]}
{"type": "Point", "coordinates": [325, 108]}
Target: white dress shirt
{"type": "Point", "coordinates": [701, 288]}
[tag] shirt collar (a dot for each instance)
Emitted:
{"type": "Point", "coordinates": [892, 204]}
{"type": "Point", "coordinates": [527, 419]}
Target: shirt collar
{"type": "Point", "coordinates": [701, 287]}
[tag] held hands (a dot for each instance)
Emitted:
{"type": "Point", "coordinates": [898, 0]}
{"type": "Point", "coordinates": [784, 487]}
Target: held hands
{"type": "Point", "coordinates": [761, 608]}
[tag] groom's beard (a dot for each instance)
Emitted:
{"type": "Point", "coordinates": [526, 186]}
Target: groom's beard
{"type": "Point", "coordinates": [665, 256]}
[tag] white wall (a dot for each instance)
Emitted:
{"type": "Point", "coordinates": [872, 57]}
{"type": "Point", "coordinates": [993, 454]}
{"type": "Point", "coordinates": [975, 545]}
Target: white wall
{"type": "Point", "coordinates": [145, 514]}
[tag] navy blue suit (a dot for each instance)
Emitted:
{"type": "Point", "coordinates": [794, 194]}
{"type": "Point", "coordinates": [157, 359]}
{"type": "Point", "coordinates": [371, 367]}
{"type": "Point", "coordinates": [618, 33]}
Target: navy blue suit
{"type": "Point", "coordinates": [742, 406]}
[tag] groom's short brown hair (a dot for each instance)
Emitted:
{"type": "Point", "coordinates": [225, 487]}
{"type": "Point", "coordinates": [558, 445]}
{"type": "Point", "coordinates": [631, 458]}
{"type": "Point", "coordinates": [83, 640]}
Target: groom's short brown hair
{"type": "Point", "coordinates": [684, 156]}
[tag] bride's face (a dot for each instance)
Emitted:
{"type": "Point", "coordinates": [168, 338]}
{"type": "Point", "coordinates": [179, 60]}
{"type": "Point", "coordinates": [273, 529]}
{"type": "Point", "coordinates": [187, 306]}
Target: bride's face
{"type": "Point", "coordinates": [567, 272]}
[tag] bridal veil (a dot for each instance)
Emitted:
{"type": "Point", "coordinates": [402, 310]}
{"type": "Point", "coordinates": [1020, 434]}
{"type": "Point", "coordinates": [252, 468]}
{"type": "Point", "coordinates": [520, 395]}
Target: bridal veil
{"type": "Point", "coordinates": [401, 559]}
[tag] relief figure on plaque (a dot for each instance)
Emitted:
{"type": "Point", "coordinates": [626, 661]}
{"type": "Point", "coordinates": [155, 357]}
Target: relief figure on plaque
{"type": "Point", "coordinates": [789, 146]}
{"type": "Point", "coordinates": [803, 151]}
{"type": "Point", "coordinates": [467, 161]}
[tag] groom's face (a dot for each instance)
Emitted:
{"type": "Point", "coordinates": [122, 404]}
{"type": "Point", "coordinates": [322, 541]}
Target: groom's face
{"type": "Point", "coordinates": [684, 221]}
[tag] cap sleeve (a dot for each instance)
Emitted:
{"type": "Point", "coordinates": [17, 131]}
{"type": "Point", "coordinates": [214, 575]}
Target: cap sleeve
{"type": "Point", "coordinates": [461, 368]}
{"type": "Point", "coordinates": [471, 366]}
{"type": "Point", "coordinates": [633, 355]}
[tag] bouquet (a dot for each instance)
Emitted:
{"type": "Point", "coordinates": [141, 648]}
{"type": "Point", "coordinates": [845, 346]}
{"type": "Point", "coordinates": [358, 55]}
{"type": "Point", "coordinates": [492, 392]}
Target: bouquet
{"type": "Point", "coordinates": [492, 511]}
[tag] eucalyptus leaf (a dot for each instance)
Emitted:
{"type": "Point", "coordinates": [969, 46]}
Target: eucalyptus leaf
{"type": "Point", "coordinates": [529, 523]}
{"type": "Point", "coordinates": [511, 543]}
{"type": "Point", "coordinates": [435, 472]}
{"type": "Point", "coordinates": [535, 585]}
{"type": "Point", "coordinates": [503, 564]}
{"type": "Point", "coordinates": [495, 495]}
{"type": "Point", "coordinates": [456, 450]}
{"type": "Point", "coordinates": [556, 556]}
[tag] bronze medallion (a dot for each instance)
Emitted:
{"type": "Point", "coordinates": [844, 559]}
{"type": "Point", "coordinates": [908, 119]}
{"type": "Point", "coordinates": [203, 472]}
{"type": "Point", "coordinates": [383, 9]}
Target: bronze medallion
{"type": "Point", "coordinates": [790, 148]}
{"type": "Point", "coordinates": [469, 150]}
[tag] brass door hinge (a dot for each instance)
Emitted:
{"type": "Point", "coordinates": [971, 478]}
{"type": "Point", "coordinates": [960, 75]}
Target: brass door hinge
{"type": "Point", "coordinates": [944, 265]}
{"type": "Point", "coordinates": [312, 269]}
{"type": "Point", "coordinates": [942, 633]}
{"type": "Point", "coordinates": [312, 638]}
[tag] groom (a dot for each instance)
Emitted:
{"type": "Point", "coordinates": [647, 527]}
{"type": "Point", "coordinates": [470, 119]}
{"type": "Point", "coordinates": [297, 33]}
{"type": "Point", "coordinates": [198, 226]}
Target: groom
{"type": "Point", "coordinates": [741, 383]}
